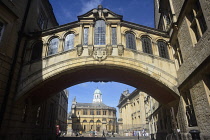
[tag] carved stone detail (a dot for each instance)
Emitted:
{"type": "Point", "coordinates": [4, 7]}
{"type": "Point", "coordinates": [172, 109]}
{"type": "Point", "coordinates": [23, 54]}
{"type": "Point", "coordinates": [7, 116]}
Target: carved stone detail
{"type": "Point", "coordinates": [79, 49]}
{"type": "Point", "coordinates": [90, 50]}
{"type": "Point", "coordinates": [120, 49]}
{"type": "Point", "coordinates": [109, 49]}
{"type": "Point", "coordinates": [99, 54]}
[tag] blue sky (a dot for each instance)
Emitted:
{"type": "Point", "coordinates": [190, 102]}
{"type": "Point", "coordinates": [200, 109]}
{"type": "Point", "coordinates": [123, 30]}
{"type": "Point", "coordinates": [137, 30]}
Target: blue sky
{"type": "Point", "coordinates": [137, 11]}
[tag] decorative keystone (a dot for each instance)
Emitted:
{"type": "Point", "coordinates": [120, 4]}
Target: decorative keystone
{"type": "Point", "coordinates": [99, 54]}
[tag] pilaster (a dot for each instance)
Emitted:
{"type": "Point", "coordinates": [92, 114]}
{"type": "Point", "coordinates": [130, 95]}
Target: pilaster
{"type": "Point", "coordinates": [108, 35]}
{"type": "Point", "coordinates": [80, 33]}
{"type": "Point", "coordinates": [90, 36]}
{"type": "Point", "coordinates": [119, 36]}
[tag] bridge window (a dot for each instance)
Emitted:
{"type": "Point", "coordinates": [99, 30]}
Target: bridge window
{"type": "Point", "coordinates": [146, 45]}
{"type": "Point", "coordinates": [86, 31]}
{"type": "Point", "coordinates": [100, 33]}
{"type": "Point", "coordinates": [53, 46]}
{"type": "Point", "coordinates": [114, 36]}
{"type": "Point", "coordinates": [37, 51]}
{"type": "Point", "coordinates": [69, 42]}
{"type": "Point", "coordinates": [163, 50]}
{"type": "Point", "coordinates": [130, 41]}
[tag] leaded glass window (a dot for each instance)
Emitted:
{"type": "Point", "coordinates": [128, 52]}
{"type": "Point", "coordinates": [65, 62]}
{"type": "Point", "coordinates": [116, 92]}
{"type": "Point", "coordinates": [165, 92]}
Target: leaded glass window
{"type": "Point", "coordinates": [86, 31]}
{"type": "Point", "coordinates": [130, 41]}
{"type": "Point", "coordinates": [100, 33]}
{"type": "Point", "coordinates": [37, 51]}
{"type": "Point", "coordinates": [53, 46]}
{"type": "Point", "coordinates": [146, 45]}
{"type": "Point", "coordinates": [1, 29]}
{"type": "Point", "coordinates": [69, 42]}
{"type": "Point", "coordinates": [114, 36]}
{"type": "Point", "coordinates": [163, 50]}
{"type": "Point", "coordinates": [42, 21]}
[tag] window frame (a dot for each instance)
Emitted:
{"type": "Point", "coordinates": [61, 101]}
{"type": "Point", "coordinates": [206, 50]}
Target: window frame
{"type": "Point", "coordinates": [114, 35]}
{"type": "Point", "coordinates": [163, 50]}
{"type": "Point", "coordinates": [35, 52]}
{"type": "Point", "coordinates": [49, 46]}
{"type": "Point", "coordinates": [42, 20]}
{"type": "Point", "coordinates": [2, 29]}
{"type": "Point", "coordinates": [147, 48]}
{"type": "Point", "coordinates": [130, 40]}
{"type": "Point", "coordinates": [85, 35]}
{"type": "Point", "coordinates": [71, 41]}
{"type": "Point", "coordinates": [100, 33]}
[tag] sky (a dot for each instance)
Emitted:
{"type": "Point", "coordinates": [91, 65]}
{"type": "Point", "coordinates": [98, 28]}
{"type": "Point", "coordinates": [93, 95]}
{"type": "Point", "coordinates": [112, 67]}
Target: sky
{"type": "Point", "coordinates": [136, 11]}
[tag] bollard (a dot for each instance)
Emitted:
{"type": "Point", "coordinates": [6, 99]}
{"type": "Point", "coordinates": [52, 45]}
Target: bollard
{"type": "Point", "coordinates": [195, 134]}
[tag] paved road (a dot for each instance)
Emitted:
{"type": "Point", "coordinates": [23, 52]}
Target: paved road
{"type": "Point", "coordinates": [100, 138]}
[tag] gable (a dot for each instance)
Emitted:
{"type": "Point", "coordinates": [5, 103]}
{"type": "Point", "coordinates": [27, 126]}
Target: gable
{"type": "Point", "coordinates": [100, 13]}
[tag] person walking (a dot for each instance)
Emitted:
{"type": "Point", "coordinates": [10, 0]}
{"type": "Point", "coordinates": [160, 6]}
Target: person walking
{"type": "Point", "coordinates": [103, 134]}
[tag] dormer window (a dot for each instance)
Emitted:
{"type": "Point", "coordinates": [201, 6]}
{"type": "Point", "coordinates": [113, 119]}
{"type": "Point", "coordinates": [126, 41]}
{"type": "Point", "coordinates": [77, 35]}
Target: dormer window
{"type": "Point", "coordinates": [100, 33]}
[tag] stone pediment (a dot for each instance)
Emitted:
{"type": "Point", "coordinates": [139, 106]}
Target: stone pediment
{"type": "Point", "coordinates": [100, 13]}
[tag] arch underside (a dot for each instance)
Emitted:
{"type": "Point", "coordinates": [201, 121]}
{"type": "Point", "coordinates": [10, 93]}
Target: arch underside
{"type": "Point", "coordinates": [99, 71]}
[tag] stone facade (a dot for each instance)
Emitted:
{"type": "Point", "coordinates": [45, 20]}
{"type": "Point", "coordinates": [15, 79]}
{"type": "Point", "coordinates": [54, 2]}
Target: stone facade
{"type": "Point", "coordinates": [190, 39]}
{"type": "Point", "coordinates": [18, 19]}
{"type": "Point", "coordinates": [94, 116]}
{"type": "Point", "coordinates": [131, 112]}
{"type": "Point", "coordinates": [30, 66]}
{"type": "Point", "coordinates": [62, 111]}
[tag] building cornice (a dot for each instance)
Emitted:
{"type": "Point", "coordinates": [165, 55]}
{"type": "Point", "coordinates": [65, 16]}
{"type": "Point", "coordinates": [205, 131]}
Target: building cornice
{"type": "Point", "coordinates": [144, 28]}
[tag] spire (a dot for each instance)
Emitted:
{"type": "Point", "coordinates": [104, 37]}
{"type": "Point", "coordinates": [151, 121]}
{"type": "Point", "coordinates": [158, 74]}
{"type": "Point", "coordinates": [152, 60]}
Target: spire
{"type": "Point", "coordinates": [97, 96]}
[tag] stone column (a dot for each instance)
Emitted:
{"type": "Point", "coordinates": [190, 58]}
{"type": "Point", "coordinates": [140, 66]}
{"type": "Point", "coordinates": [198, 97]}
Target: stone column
{"type": "Point", "coordinates": [170, 54]}
{"type": "Point", "coordinates": [44, 50]}
{"type": "Point", "coordinates": [119, 37]}
{"type": "Point", "coordinates": [80, 33]}
{"type": "Point", "coordinates": [155, 48]}
{"type": "Point", "coordinates": [61, 45]}
{"type": "Point", "coordinates": [108, 35]}
{"type": "Point", "coordinates": [90, 39]}
{"type": "Point", "coordinates": [90, 35]}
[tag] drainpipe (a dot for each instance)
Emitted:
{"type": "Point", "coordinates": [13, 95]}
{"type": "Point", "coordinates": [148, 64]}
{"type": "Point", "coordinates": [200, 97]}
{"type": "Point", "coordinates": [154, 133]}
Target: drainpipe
{"type": "Point", "coordinates": [14, 62]}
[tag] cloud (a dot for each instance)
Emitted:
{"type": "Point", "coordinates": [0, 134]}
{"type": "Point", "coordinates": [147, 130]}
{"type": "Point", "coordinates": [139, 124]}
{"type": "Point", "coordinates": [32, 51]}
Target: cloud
{"type": "Point", "coordinates": [87, 5]}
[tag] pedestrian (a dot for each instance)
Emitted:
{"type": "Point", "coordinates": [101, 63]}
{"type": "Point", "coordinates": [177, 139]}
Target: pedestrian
{"type": "Point", "coordinates": [103, 134]}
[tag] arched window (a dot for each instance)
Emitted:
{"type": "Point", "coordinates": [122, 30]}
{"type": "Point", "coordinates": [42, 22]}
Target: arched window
{"type": "Point", "coordinates": [91, 121]}
{"type": "Point", "coordinates": [163, 50]}
{"type": "Point", "coordinates": [37, 51]}
{"type": "Point", "coordinates": [69, 42]}
{"type": "Point", "coordinates": [98, 121]}
{"type": "Point", "coordinates": [100, 33]}
{"type": "Point", "coordinates": [53, 46]}
{"type": "Point", "coordinates": [146, 45]}
{"type": "Point", "coordinates": [130, 41]}
{"type": "Point", "coordinates": [84, 121]}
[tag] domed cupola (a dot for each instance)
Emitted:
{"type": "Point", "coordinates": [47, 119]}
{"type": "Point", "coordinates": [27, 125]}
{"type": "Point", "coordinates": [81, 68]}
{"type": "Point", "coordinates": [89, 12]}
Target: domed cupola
{"type": "Point", "coordinates": [97, 96]}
